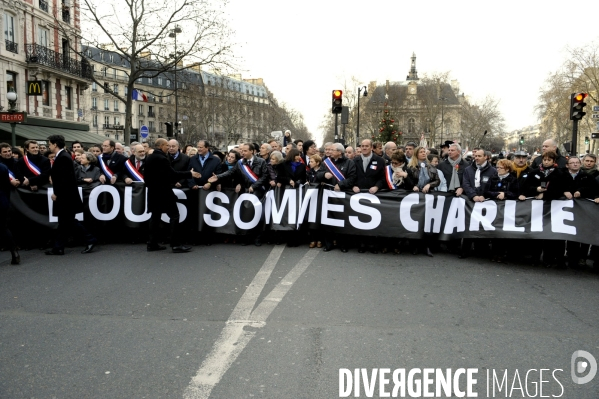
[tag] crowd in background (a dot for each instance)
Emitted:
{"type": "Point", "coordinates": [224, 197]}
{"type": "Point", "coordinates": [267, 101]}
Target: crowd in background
{"type": "Point", "coordinates": [370, 167]}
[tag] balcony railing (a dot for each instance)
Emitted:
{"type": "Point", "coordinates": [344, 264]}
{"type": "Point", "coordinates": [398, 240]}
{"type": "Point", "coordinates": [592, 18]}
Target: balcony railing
{"type": "Point", "coordinates": [113, 127]}
{"type": "Point", "coordinates": [12, 47]}
{"type": "Point", "coordinates": [152, 129]}
{"type": "Point", "coordinates": [35, 53]}
{"type": "Point", "coordinates": [151, 114]}
{"type": "Point", "coordinates": [43, 5]}
{"type": "Point", "coordinates": [106, 109]}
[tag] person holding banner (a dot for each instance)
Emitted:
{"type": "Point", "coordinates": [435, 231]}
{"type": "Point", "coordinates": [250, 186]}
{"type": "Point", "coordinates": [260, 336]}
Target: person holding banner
{"type": "Point", "coordinates": [206, 163]}
{"type": "Point", "coordinates": [251, 174]}
{"type": "Point", "coordinates": [5, 234]}
{"type": "Point", "coordinates": [34, 167]}
{"type": "Point", "coordinates": [87, 172]}
{"type": "Point", "coordinates": [159, 177]}
{"type": "Point", "coordinates": [111, 162]}
{"type": "Point", "coordinates": [135, 165]}
{"type": "Point", "coordinates": [7, 159]}
{"type": "Point", "coordinates": [66, 199]}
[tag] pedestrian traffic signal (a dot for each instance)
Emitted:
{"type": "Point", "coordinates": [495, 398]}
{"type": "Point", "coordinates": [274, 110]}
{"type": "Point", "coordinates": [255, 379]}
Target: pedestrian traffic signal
{"type": "Point", "coordinates": [521, 140]}
{"type": "Point", "coordinates": [169, 129]}
{"type": "Point", "coordinates": [586, 140]}
{"type": "Point", "coordinates": [577, 105]}
{"type": "Point", "coordinates": [337, 101]}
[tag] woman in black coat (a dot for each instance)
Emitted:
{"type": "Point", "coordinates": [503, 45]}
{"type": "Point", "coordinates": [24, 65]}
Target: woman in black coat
{"type": "Point", "coordinates": [88, 174]}
{"type": "Point", "coordinates": [294, 170]}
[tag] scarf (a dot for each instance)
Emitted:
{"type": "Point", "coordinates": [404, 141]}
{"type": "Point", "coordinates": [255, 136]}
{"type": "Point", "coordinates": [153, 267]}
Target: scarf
{"type": "Point", "coordinates": [295, 165]}
{"type": "Point", "coordinates": [229, 165]}
{"type": "Point", "coordinates": [546, 171]}
{"type": "Point", "coordinates": [454, 182]}
{"type": "Point", "coordinates": [501, 177]}
{"type": "Point", "coordinates": [423, 177]}
{"type": "Point", "coordinates": [477, 175]}
{"type": "Point", "coordinates": [519, 170]}
{"type": "Point", "coordinates": [398, 181]}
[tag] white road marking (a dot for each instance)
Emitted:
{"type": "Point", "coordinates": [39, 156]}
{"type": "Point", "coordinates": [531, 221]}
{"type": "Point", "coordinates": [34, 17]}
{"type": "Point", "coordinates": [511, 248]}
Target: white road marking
{"type": "Point", "coordinates": [233, 339]}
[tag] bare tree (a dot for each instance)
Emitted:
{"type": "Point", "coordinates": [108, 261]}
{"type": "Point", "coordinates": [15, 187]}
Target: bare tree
{"type": "Point", "coordinates": [478, 118]}
{"type": "Point", "coordinates": [145, 34]}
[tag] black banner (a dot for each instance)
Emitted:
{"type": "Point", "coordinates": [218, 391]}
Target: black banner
{"type": "Point", "coordinates": [386, 214]}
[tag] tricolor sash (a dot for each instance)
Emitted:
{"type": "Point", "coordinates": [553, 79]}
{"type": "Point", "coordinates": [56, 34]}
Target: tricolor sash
{"type": "Point", "coordinates": [304, 162]}
{"type": "Point", "coordinates": [134, 172]}
{"type": "Point", "coordinates": [333, 169]}
{"type": "Point", "coordinates": [105, 168]}
{"type": "Point", "coordinates": [389, 177]}
{"type": "Point", "coordinates": [34, 169]}
{"type": "Point", "coordinates": [10, 175]}
{"type": "Point", "coordinates": [247, 171]}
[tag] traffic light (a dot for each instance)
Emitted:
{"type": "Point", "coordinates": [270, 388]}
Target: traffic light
{"type": "Point", "coordinates": [586, 140]}
{"type": "Point", "coordinates": [521, 140]}
{"type": "Point", "coordinates": [337, 101]}
{"type": "Point", "coordinates": [169, 129]}
{"type": "Point", "coordinates": [577, 105]}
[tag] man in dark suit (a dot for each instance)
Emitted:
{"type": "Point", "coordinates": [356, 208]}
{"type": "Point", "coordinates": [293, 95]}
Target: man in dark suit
{"type": "Point", "coordinates": [111, 162]}
{"type": "Point", "coordinates": [252, 174]}
{"type": "Point", "coordinates": [370, 175]}
{"type": "Point", "coordinates": [67, 202]}
{"type": "Point", "coordinates": [159, 177]}
{"type": "Point", "coordinates": [179, 161]}
{"type": "Point", "coordinates": [206, 164]}
{"type": "Point", "coordinates": [135, 165]}
{"type": "Point", "coordinates": [5, 234]}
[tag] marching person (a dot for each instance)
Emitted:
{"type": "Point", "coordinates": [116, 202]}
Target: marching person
{"type": "Point", "coordinates": [87, 172]}
{"type": "Point", "coordinates": [159, 177]}
{"type": "Point", "coordinates": [67, 202]}
{"type": "Point", "coordinates": [179, 161]}
{"type": "Point", "coordinates": [5, 234]}
{"type": "Point", "coordinates": [7, 159]}
{"type": "Point", "coordinates": [111, 162]}
{"type": "Point", "coordinates": [34, 167]}
{"type": "Point", "coordinates": [251, 175]}
{"type": "Point", "coordinates": [205, 163]}
{"type": "Point", "coordinates": [135, 166]}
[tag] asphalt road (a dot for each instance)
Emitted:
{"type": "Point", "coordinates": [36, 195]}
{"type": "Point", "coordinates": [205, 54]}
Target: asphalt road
{"type": "Point", "coordinates": [228, 321]}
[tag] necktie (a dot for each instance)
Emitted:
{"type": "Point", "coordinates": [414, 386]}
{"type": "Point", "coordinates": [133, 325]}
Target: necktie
{"type": "Point", "coordinates": [137, 164]}
{"type": "Point", "coordinates": [250, 163]}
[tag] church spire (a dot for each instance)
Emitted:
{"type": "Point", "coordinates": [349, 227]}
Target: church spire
{"type": "Point", "coordinates": [413, 73]}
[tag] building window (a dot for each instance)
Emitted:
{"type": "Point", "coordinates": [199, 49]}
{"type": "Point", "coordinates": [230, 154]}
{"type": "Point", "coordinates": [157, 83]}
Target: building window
{"type": "Point", "coordinates": [106, 121]}
{"type": "Point", "coordinates": [106, 86]}
{"type": "Point", "coordinates": [43, 35]}
{"type": "Point", "coordinates": [11, 81]}
{"type": "Point", "coordinates": [68, 97]}
{"type": "Point", "coordinates": [45, 93]}
{"type": "Point", "coordinates": [106, 105]}
{"type": "Point", "coordinates": [95, 120]}
{"type": "Point", "coordinates": [104, 71]}
{"type": "Point", "coordinates": [126, 91]}
{"type": "Point", "coordinates": [9, 34]}
{"type": "Point", "coordinates": [94, 102]}
{"type": "Point", "coordinates": [149, 80]}
{"type": "Point", "coordinates": [116, 105]}
{"type": "Point", "coordinates": [151, 125]}
{"type": "Point", "coordinates": [94, 86]}
{"type": "Point", "coordinates": [111, 57]}
{"type": "Point", "coordinates": [114, 73]}
{"type": "Point", "coordinates": [141, 109]}
{"type": "Point", "coordinates": [116, 121]}
{"type": "Point", "coordinates": [168, 83]}
{"type": "Point", "coordinates": [115, 88]}
{"type": "Point", "coordinates": [159, 81]}
{"type": "Point", "coordinates": [411, 125]}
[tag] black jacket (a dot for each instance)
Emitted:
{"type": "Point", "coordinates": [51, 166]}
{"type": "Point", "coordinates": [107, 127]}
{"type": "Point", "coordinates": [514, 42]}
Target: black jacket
{"type": "Point", "coordinates": [141, 170]}
{"type": "Point", "coordinates": [259, 169]}
{"type": "Point", "coordinates": [583, 183]}
{"type": "Point", "coordinates": [181, 164]}
{"type": "Point", "coordinates": [299, 176]}
{"type": "Point", "coordinates": [92, 172]}
{"type": "Point", "coordinates": [536, 178]}
{"type": "Point", "coordinates": [374, 174]}
{"type": "Point", "coordinates": [212, 165]}
{"type": "Point", "coordinates": [115, 162]}
{"type": "Point", "coordinates": [447, 170]}
{"type": "Point", "coordinates": [64, 183]}
{"type": "Point", "coordinates": [414, 173]}
{"type": "Point", "coordinates": [159, 177]}
{"type": "Point", "coordinates": [507, 185]}
{"type": "Point", "coordinates": [347, 167]}
{"type": "Point", "coordinates": [561, 161]}
{"type": "Point", "coordinates": [468, 184]}
{"type": "Point", "coordinates": [42, 163]}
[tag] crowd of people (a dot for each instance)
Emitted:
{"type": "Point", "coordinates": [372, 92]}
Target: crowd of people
{"type": "Point", "coordinates": [255, 168]}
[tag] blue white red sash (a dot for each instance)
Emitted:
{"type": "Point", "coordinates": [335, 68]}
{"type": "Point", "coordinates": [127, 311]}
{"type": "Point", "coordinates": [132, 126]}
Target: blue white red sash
{"type": "Point", "coordinates": [34, 169]}
{"type": "Point", "coordinates": [105, 168]}
{"type": "Point", "coordinates": [10, 175]}
{"type": "Point", "coordinates": [134, 172]}
{"type": "Point", "coordinates": [389, 177]}
{"type": "Point", "coordinates": [247, 171]}
{"type": "Point", "coordinates": [333, 169]}
{"type": "Point", "coordinates": [304, 162]}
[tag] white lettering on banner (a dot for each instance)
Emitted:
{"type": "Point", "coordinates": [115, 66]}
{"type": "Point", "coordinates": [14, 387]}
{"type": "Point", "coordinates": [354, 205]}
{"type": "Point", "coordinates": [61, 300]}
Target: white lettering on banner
{"type": "Point", "coordinates": [558, 215]}
{"type": "Point", "coordinates": [326, 208]}
{"type": "Point", "coordinates": [182, 208]}
{"type": "Point", "coordinates": [375, 214]}
{"type": "Point", "coordinates": [310, 199]}
{"type": "Point", "coordinates": [54, 219]}
{"type": "Point", "coordinates": [483, 213]}
{"type": "Point", "coordinates": [536, 215]}
{"type": "Point", "coordinates": [257, 211]}
{"type": "Point", "coordinates": [128, 207]}
{"type": "Point", "coordinates": [93, 202]}
{"type": "Point", "coordinates": [405, 216]}
{"type": "Point", "coordinates": [270, 205]}
{"type": "Point", "coordinates": [456, 216]}
{"type": "Point", "coordinates": [509, 217]}
{"type": "Point", "coordinates": [220, 210]}
{"type": "Point", "coordinates": [433, 213]}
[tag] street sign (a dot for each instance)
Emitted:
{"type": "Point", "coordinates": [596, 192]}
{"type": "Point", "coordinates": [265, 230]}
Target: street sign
{"type": "Point", "coordinates": [13, 117]}
{"type": "Point", "coordinates": [595, 135]}
{"type": "Point", "coordinates": [595, 108]}
{"type": "Point", "coordinates": [133, 137]}
{"type": "Point", "coordinates": [597, 127]}
{"type": "Point", "coordinates": [276, 133]}
{"type": "Point", "coordinates": [595, 116]}
{"type": "Point", "coordinates": [144, 131]}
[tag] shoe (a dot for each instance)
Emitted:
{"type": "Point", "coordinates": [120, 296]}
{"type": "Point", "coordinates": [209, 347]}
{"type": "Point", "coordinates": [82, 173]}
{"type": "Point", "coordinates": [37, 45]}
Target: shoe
{"type": "Point", "coordinates": [384, 251]}
{"type": "Point", "coordinates": [360, 250]}
{"type": "Point", "coordinates": [344, 250]}
{"type": "Point", "coordinates": [152, 248]}
{"type": "Point", "coordinates": [16, 258]}
{"type": "Point", "coordinates": [327, 249]}
{"type": "Point", "coordinates": [55, 251]}
{"type": "Point", "coordinates": [258, 243]}
{"type": "Point", "coordinates": [415, 251]}
{"type": "Point", "coordinates": [429, 253]}
{"type": "Point", "coordinates": [312, 244]}
{"type": "Point", "coordinates": [88, 248]}
{"type": "Point", "coordinates": [582, 262]}
{"type": "Point", "coordinates": [318, 244]}
{"type": "Point", "coordinates": [181, 248]}
{"type": "Point", "coordinates": [396, 251]}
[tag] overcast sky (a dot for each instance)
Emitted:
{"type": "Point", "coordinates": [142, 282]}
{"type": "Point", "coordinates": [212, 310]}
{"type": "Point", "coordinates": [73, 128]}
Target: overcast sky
{"type": "Point", "coordinates": [305, 49]}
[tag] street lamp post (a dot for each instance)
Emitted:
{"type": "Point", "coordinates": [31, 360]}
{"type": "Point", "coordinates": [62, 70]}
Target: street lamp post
{"type": "Point", "coordinates": [362, 88]}
{"type": "Point", "coordinates": [11, 96]}
{"type": "Point", "coordinates": [442, 116]}
{"type": "Point", "coordinates": [173, 34]}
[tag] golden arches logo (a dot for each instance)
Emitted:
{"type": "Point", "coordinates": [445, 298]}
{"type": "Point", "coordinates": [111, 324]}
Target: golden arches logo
{"type": "Point", "coordinates": [34, 88]}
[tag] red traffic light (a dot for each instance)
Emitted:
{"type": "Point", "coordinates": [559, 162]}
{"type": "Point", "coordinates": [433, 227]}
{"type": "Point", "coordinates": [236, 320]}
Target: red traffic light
{"type": "Point", "coordinates": [578, 97]}
{"type": "Point", "coordinates": [337, 94]}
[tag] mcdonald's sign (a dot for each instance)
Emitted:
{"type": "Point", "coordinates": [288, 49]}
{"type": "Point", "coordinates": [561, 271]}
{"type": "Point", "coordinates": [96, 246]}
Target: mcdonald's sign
{"type": "Point", "coordinates": [34, 88]}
